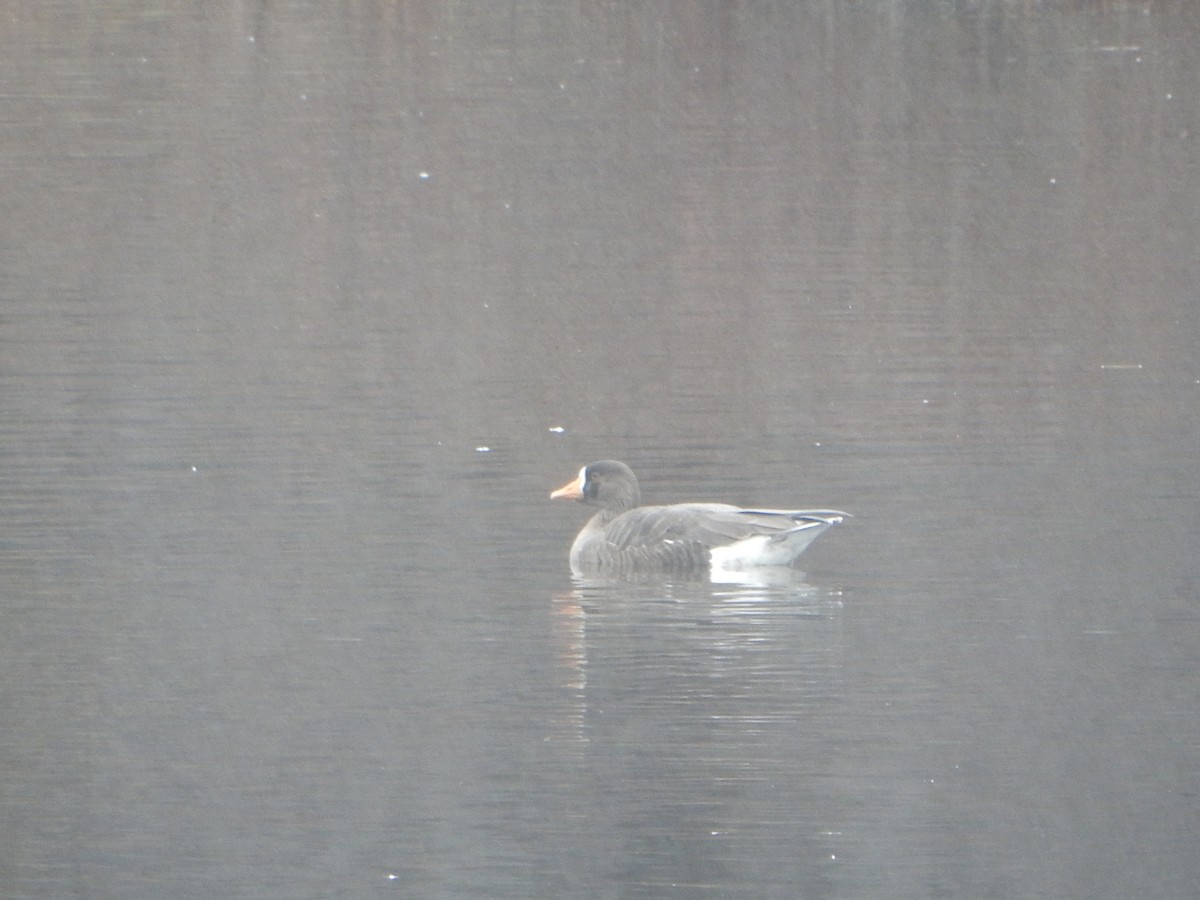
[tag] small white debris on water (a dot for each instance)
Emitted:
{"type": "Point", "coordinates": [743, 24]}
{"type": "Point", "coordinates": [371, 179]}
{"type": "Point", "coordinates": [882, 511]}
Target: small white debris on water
{"type": "Point", "coordinates": [556, 429]}
{"type": "Point", "coordinates": [483, 449]}
{"type": "Point", "coordinates": [193, 468]}
{"type": "Point", "coordinates": [424, 176]}
{"type": "Point", "coordinates": [1120, 365]}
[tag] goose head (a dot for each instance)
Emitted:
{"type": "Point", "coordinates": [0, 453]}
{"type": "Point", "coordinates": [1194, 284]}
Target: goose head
{"type": "Point", "coordinates": [608, 484]}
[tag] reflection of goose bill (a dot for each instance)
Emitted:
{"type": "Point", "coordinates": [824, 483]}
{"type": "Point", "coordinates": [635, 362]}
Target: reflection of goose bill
{"type": "Point", "coordinates": [686, 537]}
{"type": "Point", "coordinates": [569, 639]}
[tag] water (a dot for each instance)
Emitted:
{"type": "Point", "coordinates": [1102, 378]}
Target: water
{"type": "Point", "coordinates": [303, 313]}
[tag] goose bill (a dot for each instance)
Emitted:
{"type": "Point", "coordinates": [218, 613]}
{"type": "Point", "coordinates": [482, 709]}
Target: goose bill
{"type": "Point", "coordinates": [572, 490]}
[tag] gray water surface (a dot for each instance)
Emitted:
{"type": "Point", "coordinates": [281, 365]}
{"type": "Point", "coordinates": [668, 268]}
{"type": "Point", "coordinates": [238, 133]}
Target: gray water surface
{"type": "Point", "coordinates": [303, 313]}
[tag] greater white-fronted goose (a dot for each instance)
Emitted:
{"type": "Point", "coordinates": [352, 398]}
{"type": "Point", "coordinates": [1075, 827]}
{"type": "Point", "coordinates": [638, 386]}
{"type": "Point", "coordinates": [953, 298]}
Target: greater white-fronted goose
{"type": "Point", "coordinates": [625, 538]}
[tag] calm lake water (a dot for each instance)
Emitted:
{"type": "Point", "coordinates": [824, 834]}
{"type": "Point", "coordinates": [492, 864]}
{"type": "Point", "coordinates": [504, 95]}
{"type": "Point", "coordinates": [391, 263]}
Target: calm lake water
{"type": "Point", "coordinates": [303, 313]}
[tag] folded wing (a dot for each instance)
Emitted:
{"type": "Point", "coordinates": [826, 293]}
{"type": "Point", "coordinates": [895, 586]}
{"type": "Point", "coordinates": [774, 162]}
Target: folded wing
{"type": "Point", "coordinates": [681, 536]}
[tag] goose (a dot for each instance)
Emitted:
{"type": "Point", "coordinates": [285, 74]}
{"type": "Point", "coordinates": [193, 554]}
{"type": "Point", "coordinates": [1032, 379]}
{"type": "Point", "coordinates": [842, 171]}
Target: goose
{"type": "Point", "coordinates": [625, 538]}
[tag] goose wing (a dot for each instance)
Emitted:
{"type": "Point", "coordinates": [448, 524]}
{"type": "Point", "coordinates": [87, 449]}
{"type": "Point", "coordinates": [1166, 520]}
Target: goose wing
{"type": "Point", "coordinates": [706, 524]}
